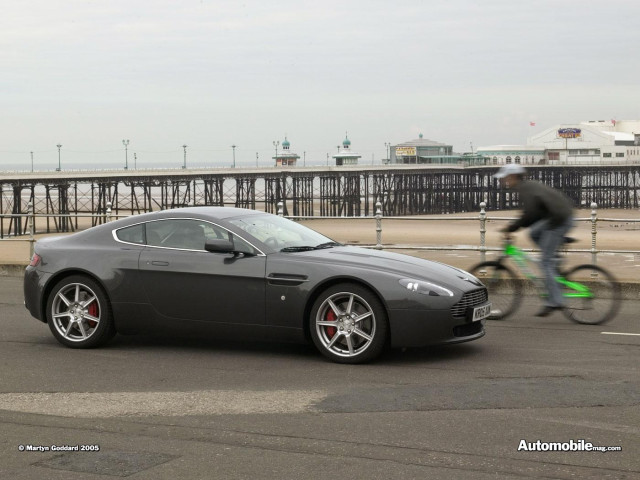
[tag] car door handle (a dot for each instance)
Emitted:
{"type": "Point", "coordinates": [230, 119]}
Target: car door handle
{"type": "Point", "coordinates": [159, 263]}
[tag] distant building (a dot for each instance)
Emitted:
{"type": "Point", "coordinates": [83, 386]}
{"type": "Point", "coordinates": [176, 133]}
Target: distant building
{"type": "Point", "coordinates": [589, 142]}
{"type": "Point", "coordinates": [522, 154]}
{"type": "Point", "coordinates": [421, 151]}
{"type": "Point", "coordinates": [286, 158]}
{"type": "Point", "coordinates": [345, 156]}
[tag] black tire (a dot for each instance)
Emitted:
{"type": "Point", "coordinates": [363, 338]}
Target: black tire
{"type": "Point", "coordinates": [79, 314]}
{"type": "Point", "coordinates": [503, 286]}
{"type": "Point", "coordinates": [602, 306]}
{"type": "Point", "coordinates": [361, 325]}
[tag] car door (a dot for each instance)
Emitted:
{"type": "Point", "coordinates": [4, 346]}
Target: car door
{"type": "Point", "coordinates": [183, 281]}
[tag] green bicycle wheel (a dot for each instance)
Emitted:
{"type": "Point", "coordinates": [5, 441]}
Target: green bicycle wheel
{"type": "Point", "coordinates": [503, 286]}
{"type": "Point", "coordinates": [592, 295]}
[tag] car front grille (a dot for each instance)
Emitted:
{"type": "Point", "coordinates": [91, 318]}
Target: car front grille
{"type": "Point", "coordinates": [469, 299]}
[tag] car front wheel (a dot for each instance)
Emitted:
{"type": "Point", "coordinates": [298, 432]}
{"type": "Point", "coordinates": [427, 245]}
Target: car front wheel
{"type": "Point", "coordinates": [79, 314]}
{"type": "Point", "coordinates": [348, 324]}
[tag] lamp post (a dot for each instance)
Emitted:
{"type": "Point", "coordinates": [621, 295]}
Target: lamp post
{"type": "Point", "coordinates": [135, 160]}
{"type": "Point", "coordinates": [32, 161]}
{"type": "Point", "coordinates": [387, 146]}
{"type": "Point", "coordinates": [275, 144]}
{"type": "Point", "coordinates": [256, 159]}
{"type": "Point", "coordinates": [234, 155]}
{"type": "Point", "coordinates": [59, 166]}
{"type": "Point", "coordinates": [184, 163]}
{"type": "Point", "coordinates": [126, 154]}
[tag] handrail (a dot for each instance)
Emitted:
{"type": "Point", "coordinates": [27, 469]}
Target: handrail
{"type": "Point", "coordinates": [483, 217]}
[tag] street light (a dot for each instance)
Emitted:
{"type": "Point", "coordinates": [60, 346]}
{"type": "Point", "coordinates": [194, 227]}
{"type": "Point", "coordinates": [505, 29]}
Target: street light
{"type": "Point", "coordinates": [256, 159]}
{"type": "Point", "coordinates": [32, 161]}
{"type": "Point", "coordinates": [59, 166]}
{"type": "Point", "coordinates": [275, 144]}
{"type": "Point", "coordinates": [234, 155]}
{"type": "Point", "coordinates": [388, 148]}
{"type": "Point", "coordinates": [184, 164]}
{"type": "Point", "coordinates": [126, 154]}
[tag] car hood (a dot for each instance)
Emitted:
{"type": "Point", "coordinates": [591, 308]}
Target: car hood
{"type": "Point", "coordinates": [404, 266]}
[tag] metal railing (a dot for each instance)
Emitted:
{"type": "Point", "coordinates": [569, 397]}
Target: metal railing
{"type": "Point", "coordinates": [482, 219]}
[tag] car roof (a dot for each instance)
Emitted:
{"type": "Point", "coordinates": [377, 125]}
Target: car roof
{"type": "Point", "coordinates": [209, 213]}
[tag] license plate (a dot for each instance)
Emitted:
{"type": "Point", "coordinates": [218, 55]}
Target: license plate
{"type": "Point", "coordinates": [481, 312]}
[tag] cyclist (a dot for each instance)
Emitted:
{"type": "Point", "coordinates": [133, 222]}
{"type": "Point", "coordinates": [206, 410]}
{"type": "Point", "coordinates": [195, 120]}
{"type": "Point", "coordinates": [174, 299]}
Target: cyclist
{"type": "Point", "coordinates": [549, 215]}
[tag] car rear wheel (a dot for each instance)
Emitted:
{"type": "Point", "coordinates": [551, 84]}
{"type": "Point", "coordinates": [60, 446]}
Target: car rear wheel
{"type": "Point", "coordinates": [348, 324]}
{"type": "Point", "coordinates": [79, 314]}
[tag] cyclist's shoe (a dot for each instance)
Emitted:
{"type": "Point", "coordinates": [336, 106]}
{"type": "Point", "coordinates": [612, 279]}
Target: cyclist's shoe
{"type": "Point", "coordinates": [547, 310]}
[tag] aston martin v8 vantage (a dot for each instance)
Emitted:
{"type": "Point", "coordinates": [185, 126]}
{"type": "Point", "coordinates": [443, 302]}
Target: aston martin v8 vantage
{"type": "Point", "coordinates": [246, 274]}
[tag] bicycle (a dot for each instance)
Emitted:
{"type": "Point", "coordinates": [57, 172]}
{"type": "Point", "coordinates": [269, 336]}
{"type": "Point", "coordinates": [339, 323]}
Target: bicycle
{"type": "Point", "coordinates": [592, 294]}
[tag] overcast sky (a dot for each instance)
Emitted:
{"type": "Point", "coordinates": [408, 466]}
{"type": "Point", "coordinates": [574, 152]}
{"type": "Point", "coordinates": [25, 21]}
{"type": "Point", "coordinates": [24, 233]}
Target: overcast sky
{"type": "Point", "coordinates": [211, 74]}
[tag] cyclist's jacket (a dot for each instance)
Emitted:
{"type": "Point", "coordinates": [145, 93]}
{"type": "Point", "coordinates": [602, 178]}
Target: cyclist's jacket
{"type": "Point", "coordinates": [539, 202]}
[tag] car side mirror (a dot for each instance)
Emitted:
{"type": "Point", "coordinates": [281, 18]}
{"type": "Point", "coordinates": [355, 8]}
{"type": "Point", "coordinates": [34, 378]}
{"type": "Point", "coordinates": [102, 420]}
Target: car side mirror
{"type": "Point", "coordinates": [225, 246]}
{"type": "Point", "coordinates": [219, 246]}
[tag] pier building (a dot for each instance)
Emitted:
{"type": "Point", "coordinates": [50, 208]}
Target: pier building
{"type": "Point", "coordinates": [345, 156]}
{"type": "Point", "coordinates": [286, 158]}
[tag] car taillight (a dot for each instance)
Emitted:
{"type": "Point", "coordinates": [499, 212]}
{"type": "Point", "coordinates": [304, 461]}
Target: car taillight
{"type": "Point", "coordinates": [35, 260]}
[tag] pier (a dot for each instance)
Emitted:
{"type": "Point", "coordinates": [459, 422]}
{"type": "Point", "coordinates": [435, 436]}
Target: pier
{"type": "Point", "coordinates": [304, 192]}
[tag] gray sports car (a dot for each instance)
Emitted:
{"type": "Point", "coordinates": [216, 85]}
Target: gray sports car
{"type": "Point", "coordinates": [231, 271]}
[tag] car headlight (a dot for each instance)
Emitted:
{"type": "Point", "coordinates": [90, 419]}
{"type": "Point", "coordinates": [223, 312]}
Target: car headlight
{"type": "Point", "coordinates": [425, 288]}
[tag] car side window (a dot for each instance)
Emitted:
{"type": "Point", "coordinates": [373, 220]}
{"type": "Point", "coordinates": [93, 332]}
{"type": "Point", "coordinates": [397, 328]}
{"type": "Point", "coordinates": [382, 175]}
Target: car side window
{"type": "Point", "coordinates": [132, 234]}
{"type": "Point", "coordinates": [215, 232]}
{"type": "Point", "coordinates": [176, 233]}
{"type": "Point", "coordinates": [190, 235]}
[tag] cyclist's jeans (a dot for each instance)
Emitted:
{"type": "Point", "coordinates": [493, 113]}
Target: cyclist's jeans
{"type": "Point", "coordinates": [549, 240]}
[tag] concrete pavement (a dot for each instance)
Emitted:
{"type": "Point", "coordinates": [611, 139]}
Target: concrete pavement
{"type": "Point", "coordinates": [273, 411]}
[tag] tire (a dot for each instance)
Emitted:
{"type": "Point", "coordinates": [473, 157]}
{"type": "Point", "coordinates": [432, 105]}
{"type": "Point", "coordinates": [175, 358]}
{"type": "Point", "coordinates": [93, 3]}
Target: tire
{"type": "Point", "coordinates": [602, 306]}
{"type": "Point", "coordinates": [79, 314]}
{"type": "Point", "coordinates": [503, 286]}
{"type": "Point", "coordinates": [348, 324]}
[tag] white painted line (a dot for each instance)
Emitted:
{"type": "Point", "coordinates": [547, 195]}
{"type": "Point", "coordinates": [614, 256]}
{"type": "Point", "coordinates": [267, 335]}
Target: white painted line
{"type": "Point", "coordinates": [620, 333]}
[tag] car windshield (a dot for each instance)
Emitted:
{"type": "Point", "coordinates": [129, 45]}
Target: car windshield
{"type": "Point", "coordinates": [282, 234]}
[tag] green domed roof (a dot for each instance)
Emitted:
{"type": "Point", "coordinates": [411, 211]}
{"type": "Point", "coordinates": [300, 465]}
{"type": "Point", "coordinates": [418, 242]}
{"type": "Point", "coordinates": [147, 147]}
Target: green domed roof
{"type": "Point", "coordinates": [286, 143]}
{"type": "Point", "coordinates": [346, 142]}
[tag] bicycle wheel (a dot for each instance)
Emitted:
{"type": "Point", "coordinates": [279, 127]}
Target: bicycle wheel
{"type": "Point", "coordinates": [595, 297]}
{"type": "Point", "coordinates": [503, 286]}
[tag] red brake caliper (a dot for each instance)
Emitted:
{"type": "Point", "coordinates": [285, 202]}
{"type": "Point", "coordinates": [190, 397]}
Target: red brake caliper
{"type": "Point", "coordinates": [93, 311]}
{"type": "Point", "coordinates": [331, 317]}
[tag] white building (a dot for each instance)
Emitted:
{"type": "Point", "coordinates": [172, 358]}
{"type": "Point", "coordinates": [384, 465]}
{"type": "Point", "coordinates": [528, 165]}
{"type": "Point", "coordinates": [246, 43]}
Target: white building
{"type": "Point", "coordinates": [589, 142]}
{"type": "Point", "coordinates": [345, 156]}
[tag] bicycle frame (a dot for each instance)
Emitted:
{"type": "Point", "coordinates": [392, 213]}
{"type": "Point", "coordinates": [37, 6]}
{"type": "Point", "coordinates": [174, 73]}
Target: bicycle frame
{"type": "Point", "coordinates": [522, 261]}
